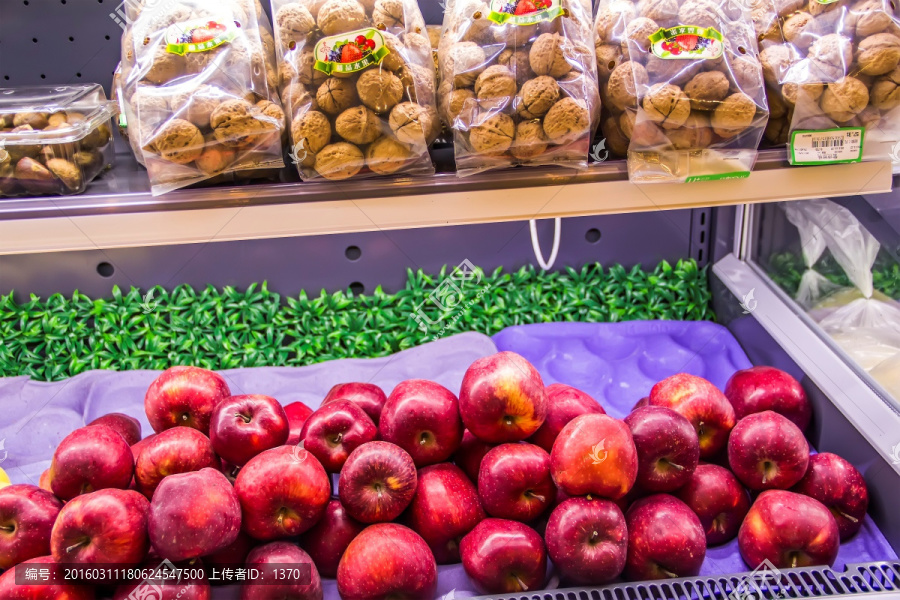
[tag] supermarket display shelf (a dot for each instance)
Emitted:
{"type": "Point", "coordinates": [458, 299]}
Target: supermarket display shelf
{"type": "Point", "coordinates": [118, 211]}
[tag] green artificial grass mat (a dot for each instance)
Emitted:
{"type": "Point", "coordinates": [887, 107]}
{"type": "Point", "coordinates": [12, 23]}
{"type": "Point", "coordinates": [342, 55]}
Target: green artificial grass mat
{"type": "Point", "coordinates": [60, 337]}
{"type": "Point", "coordinates": [786, 270]}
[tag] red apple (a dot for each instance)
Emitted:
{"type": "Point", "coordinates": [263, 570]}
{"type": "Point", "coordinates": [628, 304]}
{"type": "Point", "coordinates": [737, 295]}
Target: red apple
{"type": "Point", "coordinates": [766, 451]}
{"type": "Point", "coordinates": [470, 453]}
{"type": "Point", "coordinates": [176, 450]}
{"type": "Point", "coordinates": [193, 514]}
{"type": "Point", "coordinates": [44, 481]}
{"type": "Point", "coordinates": [503, 557]}
{"type": "Point", "coordinates": [708, 410]}
{"type": "Point", "coordinates": [274, 558]}
{"type": "Point", "coordinates": [243, 426]}
{"type": "Point", "coordinates": [594, 454]}
{"type": "Point", "coordinates": [335, 430]}
{"type": "Point", "coordinates": [757, 389]}
{"type": "Point", "coordinates": [9, 590]}
{"type": "Point", "coordinates": [27, 514]}
{"type": "Point", "coordinates": [564, 403]}
{"type": "Point", "coordinates": [103, 527]}
{"type": "Point", "coordinates": [789, 530]}
{"type": "Point", "coordinates": [667, 448]}
{"type": "Point", "coordinates": [502, 398]}
{"type": "Point", "coordinates": [138, 447]}
{"type": "Point", "coordinates": [233, 554]}
{"type": "Point", "coordinates": [839, 486]}
{"type": "Point", "coordinates": [665, 539]}
{"type": "Point", "coordinates": [297, 413]}
{"type": "Point", "coordinates": [718, 499]}
{"type": "Point", "coordinates": [387, 561]}
{"type": "Point", "coordinates": [283, 492]}
{"type": "Point", "coordinates": [378, 482]}
{"type": "Point", "coordinates": [89, 459]}
{"type": "Point", "coordinates": [587, 540]}
{"type": "Point", "coordinates": [515, 483]}
{"type": "Point", "coordinates": [445, 508]}
{"type": "Point", "coordinates": [368, 396]}
{"type": "Point", "coordinates": [165, 589]}
{"type": "Point", "coordinates": [329, 538]}
{"type": "Point", "coordinates": [645, 401]}
{"type": "Point", "coordinates": [422, 417]}
{"type": "Point", "coordinates": [128, 427]}
{"type": "Point", "coordinates": [184, 396]}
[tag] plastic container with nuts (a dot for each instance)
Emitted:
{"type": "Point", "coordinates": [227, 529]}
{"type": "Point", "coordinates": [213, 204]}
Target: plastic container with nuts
{"type": "Point", "coordinates": [200, 91]}
{"type": "Point", "coordinates": [53, 139]}
{"type": "Point", "coordinates": [357, 80]}
{"type": "Point", "coordinates": [682, 87]}
{"type": "Point", "coordinates": [518, 83]}
{"type": "Point", "coordinates": [833, 80]}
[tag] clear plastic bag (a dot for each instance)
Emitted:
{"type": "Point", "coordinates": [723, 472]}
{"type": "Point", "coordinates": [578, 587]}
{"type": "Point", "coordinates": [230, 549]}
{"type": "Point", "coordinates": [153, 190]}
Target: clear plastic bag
{"type": "Point", "coordinates": [200, 90]}
{"type": "Point", "coordinates": [518, 83]}
{"type": "Point", "coordinates": [357, 79]}
{"type": "Point", "coordinates": [683, 86]}
{"type": "Point", "coordinates": [813, 285]}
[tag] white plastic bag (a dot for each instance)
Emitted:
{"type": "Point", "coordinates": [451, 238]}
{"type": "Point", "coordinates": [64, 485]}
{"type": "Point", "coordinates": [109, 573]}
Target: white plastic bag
{"type": "Point", "coordinates": [813, 285]}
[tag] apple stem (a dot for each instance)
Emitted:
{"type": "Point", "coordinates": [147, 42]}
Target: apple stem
{"type": "Point", "coordinates": [74, 546]}
{"type": "Point", "coordinates": [848, 517]}
{"type": "Point", "coordinates": [669, 573]}
{"type": "Point", "coordinates": [245, 418]}
{"type": "Point", "coordinates": [794, 560]}
{"type": "Point", "coordinates": [676, 465]}
{"type": "Point", "coordinates": [594, 536]}
{"type": "Point", "coordinates": [7, 528]}
{"type": "Point", "coordinates": [538, 497]}
{"type": "Point", "coordinates": [700, 429]}
{"type": "Point", "coordinates": [338, 438]}
{"type": "Point", "coordinates": [521, 583]}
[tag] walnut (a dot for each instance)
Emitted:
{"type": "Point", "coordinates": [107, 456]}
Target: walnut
{"type": "Point", "coordinates": [494, 135]}
{"type": "Point", "coordinates": [776, 60]}
{"type": "Point", "coordinates": [608, 56]}
{"type": "Point", "coordinates": [387, 155]}
{"type": "Point", "coordinates": [734, 115]}
{"type": "Point", "coordinates": [148, 106]}
{"type": "Point", "coordinates": [379, 90]}
{"type": "Point", "coordinates": [514, 36]}
{"type": "Point", "coordinates": [548, 55]}
{"type": "Point", "coordinates": [418, 83]}
{"type": "Point", "coordinates": [567, 121]}
{"type": "Point", "coordinates": [312, 131]}
{"type": "Point", "coordinates": [747, 73]}
{"type": "Point", "coordinates": [495, 87]}
{"type": "Point", "coordinates": [216, 158]}
{"type": "Point", "coordinates": [165, 66]}
{"type": "Point", "coordinates": [790, 91]}
{"type": "Point", "coordinates": [661, 11]}
{"type": "Point", "coordinates": [706, 90]}
{"type": "Point", "coordinates": [625, 82]}
{"type": "Point", "coordinates": [830, 57]}
{"type": "Point", "coordinates": [339, 161]}
{"type": "Point", "coordinates": [886, 91]}
{"type": "Point", "coordinates": [296, 98]}
{"type": "Point", "coordinates": [411, 123]}
{"type": "Point", "coordinates": [800, 29]}
{"type": "Point", "coordinates": [777, 130]}
{"type": "Point", "coordinates": [336, 95]}
{"type": "Point", "coordinates": [777, 106]}
{"type": "Point", "coordinates": [612, 18]}
{"type": "Point", "coordinates": [615, 139]}
{"type": "Point", "coordinates": [868, 17]}
{"type": "Point", "coordinates": [637, 33]}
{"type": "Point", "coordinates": [672, 71]}
{"type": "Point", "coordinates": [358, 125]}
{"type": "Point", "coordinates": [694, 135]}
{"type": "Point", "coordinates": [701, 14]}
{"type": "Point", "coordinates": [294, 23]}
{"type": "Point", "coordinates": [178, 141]}
{"type": "Point", "coordinates": [197, 104]}
{"type": "Point", "coordinates": [340, 16]}
{"type": "Point", "coordinates": [458, 102]}
{"type": "Point", "coordinates": [530, 140]}
{"type": "Point", "coordinates": [537, 96]}
{"type": "Point", "coordinates": [667, 105]}
{"type": "Point", "coordinates": [878, 54]}
{"type": "Point", "coordinates": [463, 63]}
{"type": "Point", "coordinates": [389, 14]}
{"type": "Point", "coordinates": [395, 59]}
{"type": "Point", "coordinates": [235, 124]}
{"type": "Point", "coordinates": [844, 99]}
{"type": "Point", "coordinates": [517, 62]}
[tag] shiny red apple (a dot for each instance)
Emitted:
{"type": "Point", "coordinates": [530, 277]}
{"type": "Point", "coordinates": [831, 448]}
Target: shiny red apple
{"type": "Point", "coordinates": [184, 396]}
{"type": "Point", "coordinates": [502, 398]}
{"type": "Point", "coordinates": [327, 540]}
{"type": "Point", "coordinates": [707, 408]}
{"type": "Point", "coordinates": [564, 403]}
{"type": "Point", "coordinates": [503, 557]}
{"type": "Point", "coordinates": [667, 447]}
{"type": "Point", "coordinates": [387, 560]}
{"type": "Point", "coordinates": [767, 451]}
{"type": "Point", "coordinates": [515, 482]}
{"type": "Point", "coordinates": [594, 454]}
{"type": "Point", "coordinates": [335, 430]}
{"type": "Point", "coordinates": [104, 527]}
{"type": "Point", "coordinates": [665, 539]}
{"type": "Point", "coordinates": [89, 459]}
{"type": "Point", "coordinates": [128, 427]}
{"type": "Point", "coordinates": [763, 388]}
{"type": "Point", "coordinates": [139, 446]}
{"type": "Point", "coordinates": [233, 554]}
{"type": "Point", "coordinates": [27, 514]}
{"type": "Point", "coordinates": [243, 426]}
{"type": "Point", "coordinates": [44, 481]}
{"type": "Point", "coordinates": [587, 540]}
{"type": "Point", "coordinates": [9, 590]}
{"type": "Point", "coordinates": [470, 453]}
{"type": "Point", "coordinates": [368, 396]}
{"type": "Point", "coordinates": [422, 417]}
{"type": "Point", "coordinates": [274, 560]}
{"type": "Point", "coordinates": [718, 499]}
{"type": "Point", "coordinates": [445, 508]}
{"type": "Point", "coordinates": [840, 487]}
{"type": "Point", "coordinates": [378, 482]}
{"type": "Point", "coordinates": [283, 492]}
{"type": "Point", "coordinates": [175, 450]}
{"type": "Point", "coordinates": [789, 530]}
{"type": "Point", "coordinates": [297, 413]}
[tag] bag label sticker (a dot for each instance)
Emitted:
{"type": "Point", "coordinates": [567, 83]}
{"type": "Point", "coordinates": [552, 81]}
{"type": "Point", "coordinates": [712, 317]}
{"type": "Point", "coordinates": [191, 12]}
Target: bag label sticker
{"type": "Point", "coordinates": [199, 35]}
{"type": "Point", "coordinates": [827, 146]}
{"type": "Point", "coordinates": [525, 12]}
{"type": "Point", "coordinates": [719, 176]}
{"type": "Point", "coordinates": [350, 52]}
{"type": "Point", "coordinates": [687, 42]}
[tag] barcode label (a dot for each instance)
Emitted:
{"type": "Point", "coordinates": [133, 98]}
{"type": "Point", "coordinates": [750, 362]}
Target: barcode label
{"type": "Point", "coordinates": [827, 147]}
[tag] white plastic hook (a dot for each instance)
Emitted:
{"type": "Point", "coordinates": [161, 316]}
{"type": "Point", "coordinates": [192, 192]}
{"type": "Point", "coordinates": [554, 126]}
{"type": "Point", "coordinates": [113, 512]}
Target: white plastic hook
{"type": "Point", "coordinates": [536, 243]}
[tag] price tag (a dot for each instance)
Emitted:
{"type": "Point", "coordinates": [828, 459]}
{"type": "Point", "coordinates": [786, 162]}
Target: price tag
{"type": "Point", "coordinates": [827, 146]}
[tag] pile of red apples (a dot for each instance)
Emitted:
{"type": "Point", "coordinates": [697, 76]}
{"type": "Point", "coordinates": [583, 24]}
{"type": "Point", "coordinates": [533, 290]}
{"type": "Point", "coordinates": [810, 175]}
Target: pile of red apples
{"type": "Point", "coordinates": [503, 477]}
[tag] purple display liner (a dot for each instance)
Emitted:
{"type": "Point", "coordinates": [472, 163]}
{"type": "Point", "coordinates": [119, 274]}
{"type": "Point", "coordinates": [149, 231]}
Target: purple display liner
{"type": "Point", "coordinates": [617, 363]}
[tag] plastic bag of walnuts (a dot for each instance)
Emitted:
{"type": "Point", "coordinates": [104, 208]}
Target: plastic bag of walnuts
{"type": "Point", "coordinates": [200, 90]}
{"type": "Point", "coordinates": [357, 79]}
{"type": "Point", "coordinates": [833, 79]}
{"type": "Point", "coordinates": [518, 82]}
{"type": "Point", "coordinates": [682, 86]}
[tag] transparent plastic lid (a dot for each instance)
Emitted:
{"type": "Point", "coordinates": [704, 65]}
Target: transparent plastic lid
{"type": "Point", "coordinates": [85, 105]}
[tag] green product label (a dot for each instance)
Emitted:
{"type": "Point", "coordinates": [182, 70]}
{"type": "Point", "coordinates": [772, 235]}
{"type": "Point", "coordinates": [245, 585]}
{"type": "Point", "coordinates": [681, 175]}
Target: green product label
{"type": "Point", "coordinates": [687, 42]}
{"type": "Point", "coordinates": [826, 1]}
{"type": "Point", "coordinates": [524, 12]}
{"type": "Point", "coordinates": [199, 35]}
{"type": "Point", "coordinates": [719, 176]}
{"type": "Point", "coordinates": [350, 52]}
{"type": "Point", "coordinates": [827, 146]}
